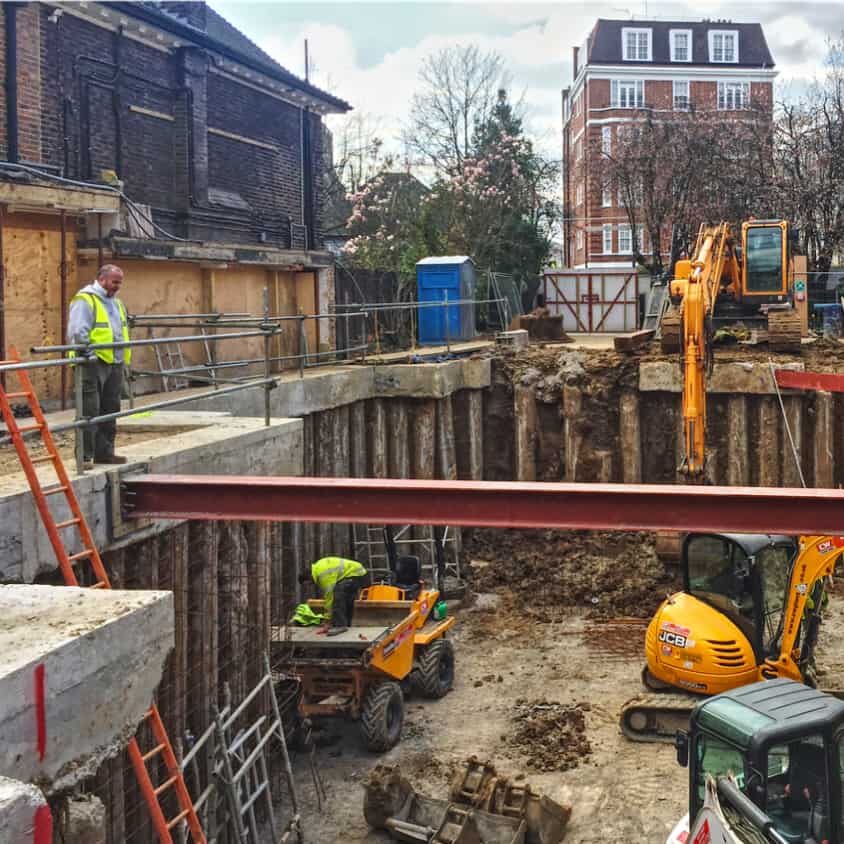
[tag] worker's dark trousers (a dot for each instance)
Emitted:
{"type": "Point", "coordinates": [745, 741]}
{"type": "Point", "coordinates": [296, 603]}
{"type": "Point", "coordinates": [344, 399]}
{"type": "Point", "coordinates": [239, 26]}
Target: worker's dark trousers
{"type": "Point", "coordinates": [345, 594]}
{"type": "Point", "coordinates": [101, 386]}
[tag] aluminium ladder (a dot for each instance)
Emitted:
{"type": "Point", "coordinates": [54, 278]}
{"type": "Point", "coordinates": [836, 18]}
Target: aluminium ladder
{"type": "Point", "coordinates": [64, 487]}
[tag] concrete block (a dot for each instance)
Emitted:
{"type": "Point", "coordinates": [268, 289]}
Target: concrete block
{"type": "Point", "coordinates": [749, 378]}
{"type": "Point", "coordinates": [94, 657]}
{"type": "Point", "coordinates": [432, 380]}
{"type": "Point", "coordinates": [24, 814]}
{"type": "Point", "coordinates": [235, 446]}
{"type": "Point", "coordinates": [516, 339]}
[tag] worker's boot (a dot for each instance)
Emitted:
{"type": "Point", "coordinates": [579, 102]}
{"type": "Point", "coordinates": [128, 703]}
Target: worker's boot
{"type": "Point", "coordinates": [336, 631]}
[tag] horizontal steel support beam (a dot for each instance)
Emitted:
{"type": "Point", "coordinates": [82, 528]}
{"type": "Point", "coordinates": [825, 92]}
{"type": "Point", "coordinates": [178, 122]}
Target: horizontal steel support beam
{"type": "Point", "coordinates": [829, 382]}
{"type": "Point", "coordinates": [486, 504]}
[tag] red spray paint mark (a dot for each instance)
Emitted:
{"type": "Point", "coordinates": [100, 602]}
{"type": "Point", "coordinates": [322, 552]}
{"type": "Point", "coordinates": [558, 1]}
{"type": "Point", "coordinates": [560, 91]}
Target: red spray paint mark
{"type": "Point", "coordinates": [40, 711]}
{"type": "Point", "coordinates": [43, 826]}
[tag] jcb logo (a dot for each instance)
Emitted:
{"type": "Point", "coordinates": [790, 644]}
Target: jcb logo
{"type": "Point", "coordinates": [672, 639]}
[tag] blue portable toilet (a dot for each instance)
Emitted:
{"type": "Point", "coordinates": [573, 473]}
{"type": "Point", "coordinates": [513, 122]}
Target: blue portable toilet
{"type": "Point", "coordinates": [444, 278]}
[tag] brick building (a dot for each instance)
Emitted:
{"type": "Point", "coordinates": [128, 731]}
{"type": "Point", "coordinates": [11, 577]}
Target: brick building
{"type": "Point", "coordinates": [209, 137]}
{"type": "Point", "coordinates": [623, 68]}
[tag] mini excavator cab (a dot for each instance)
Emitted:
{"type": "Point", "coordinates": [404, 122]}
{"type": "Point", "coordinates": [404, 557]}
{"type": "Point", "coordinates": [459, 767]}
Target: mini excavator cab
{"type": "Point", "coordinates": [765, 764]}
{"type": "Point", "coordinates": [716, 633]}
{"type": "Point", "coordinates": [745, 578]}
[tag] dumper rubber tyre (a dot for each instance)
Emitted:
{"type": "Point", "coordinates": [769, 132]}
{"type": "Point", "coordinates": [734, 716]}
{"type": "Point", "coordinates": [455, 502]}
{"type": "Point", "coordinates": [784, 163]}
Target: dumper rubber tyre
{"type": "Point", "coordinates": [382, 716]}
{"type": "Point", "coordinates": [434, 674]}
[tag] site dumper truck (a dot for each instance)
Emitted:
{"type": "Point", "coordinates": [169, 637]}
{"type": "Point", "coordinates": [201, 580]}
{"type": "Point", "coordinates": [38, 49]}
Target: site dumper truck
{"type": "Point", "coordinates": [397, 644]}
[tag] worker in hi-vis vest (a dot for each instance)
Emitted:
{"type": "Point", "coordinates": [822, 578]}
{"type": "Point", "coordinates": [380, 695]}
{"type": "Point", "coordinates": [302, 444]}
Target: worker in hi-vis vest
{"type": "Point", "coordinates": [98, 316]}
{"type": "Point", "coordinates": [339, 582]}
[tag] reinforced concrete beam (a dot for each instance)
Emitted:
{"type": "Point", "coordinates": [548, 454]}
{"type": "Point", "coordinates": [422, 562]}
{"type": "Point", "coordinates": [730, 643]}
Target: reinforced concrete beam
{"type": "Point", "coordinates": [487, 503]}
{"type": "Point", "coordinates": [78, 668]}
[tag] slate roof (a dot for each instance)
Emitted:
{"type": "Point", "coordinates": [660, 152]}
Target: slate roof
{"type": "Point", "coordinates": [605, 43]}
{"type": "Point", "coordinates": [227, 39]}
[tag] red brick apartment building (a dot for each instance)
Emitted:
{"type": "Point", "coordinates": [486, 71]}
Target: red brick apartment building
{"type": "Point", "coordinates": [623, 68]}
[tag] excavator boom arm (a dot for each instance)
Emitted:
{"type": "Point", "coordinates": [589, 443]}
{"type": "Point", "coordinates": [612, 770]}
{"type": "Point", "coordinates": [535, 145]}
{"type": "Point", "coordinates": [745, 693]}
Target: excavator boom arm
{"type": "Point", "coordinates": [698, 286]}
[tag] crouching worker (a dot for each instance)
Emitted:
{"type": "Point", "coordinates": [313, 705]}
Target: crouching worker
{"type": "Point", "coordinates": [339, 582]}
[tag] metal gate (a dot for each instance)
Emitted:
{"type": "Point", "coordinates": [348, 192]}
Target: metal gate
{"type": "Point", "coordinates": [594, 302]}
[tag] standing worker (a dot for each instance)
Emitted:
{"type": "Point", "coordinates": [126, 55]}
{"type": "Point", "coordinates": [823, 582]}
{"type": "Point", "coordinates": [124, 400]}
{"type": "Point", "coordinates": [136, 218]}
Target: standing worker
{"type": "Point", "coordinates": [98, 316]}
{"type": "Point", "coordinates": [339, 582]}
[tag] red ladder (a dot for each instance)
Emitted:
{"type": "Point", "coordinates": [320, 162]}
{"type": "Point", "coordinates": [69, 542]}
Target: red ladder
{"type": "Point", "coordinates": [63, 486]}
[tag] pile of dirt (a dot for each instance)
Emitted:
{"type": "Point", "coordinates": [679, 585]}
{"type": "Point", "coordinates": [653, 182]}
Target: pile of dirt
{"type": "Point", "coordinates": [549, 572]}
{"type": "Point", "coordinates": [549, 369]}
{"type": "Point", "coordinates": [551, 735]}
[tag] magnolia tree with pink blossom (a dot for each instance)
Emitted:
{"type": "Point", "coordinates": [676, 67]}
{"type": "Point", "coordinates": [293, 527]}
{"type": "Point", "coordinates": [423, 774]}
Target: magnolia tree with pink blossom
{"type": "Point", "coordinates": [494, 207]}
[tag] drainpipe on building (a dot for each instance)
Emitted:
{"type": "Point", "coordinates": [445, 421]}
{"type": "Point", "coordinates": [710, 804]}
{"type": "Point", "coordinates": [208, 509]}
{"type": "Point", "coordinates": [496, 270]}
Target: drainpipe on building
{"type": "Point", "coordinates": [11, 24]}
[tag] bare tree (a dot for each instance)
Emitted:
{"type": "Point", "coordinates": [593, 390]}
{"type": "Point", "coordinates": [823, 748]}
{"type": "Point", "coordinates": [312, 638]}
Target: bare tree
{"type": "Point", "coordinates": [459, 90]}
{"type": "Point", "coordinates": [673, 171]}
{"type": "Point", "coordinates": [358, 149]}
{"type": "Point", "coordinates": [809, 154]}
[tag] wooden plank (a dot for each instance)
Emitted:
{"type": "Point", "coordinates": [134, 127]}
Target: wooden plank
{"type": "Point", "coordinates": [631, 342]}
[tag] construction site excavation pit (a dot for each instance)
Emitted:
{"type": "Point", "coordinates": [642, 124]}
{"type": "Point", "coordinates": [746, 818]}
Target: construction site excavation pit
{"type": "Point", "coordinates": [550, 628]}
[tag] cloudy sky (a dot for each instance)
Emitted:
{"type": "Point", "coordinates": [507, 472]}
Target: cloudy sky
{"type": "Point", "coordinates": [369, 53]}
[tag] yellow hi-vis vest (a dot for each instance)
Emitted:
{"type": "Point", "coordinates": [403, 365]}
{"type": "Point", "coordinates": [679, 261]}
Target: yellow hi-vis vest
{"type": "Point", "coordinates": [101, 329]}
{"type": "Point", "coordinates": [328, 571]}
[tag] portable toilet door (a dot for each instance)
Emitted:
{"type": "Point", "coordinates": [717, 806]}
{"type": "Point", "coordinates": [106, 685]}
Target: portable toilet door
{"type": "Point", "coordinates": [435, 284]}
{"type": "Point", "coordinates": [439, 324]}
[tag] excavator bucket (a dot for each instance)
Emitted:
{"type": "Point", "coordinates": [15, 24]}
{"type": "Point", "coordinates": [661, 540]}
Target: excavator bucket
{"type": "Point", "coordinates": [484, 808]}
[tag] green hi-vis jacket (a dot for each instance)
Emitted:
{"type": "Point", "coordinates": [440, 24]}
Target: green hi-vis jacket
{"type": "Point", "coordinates": [328, 572]}
{"type": "Point", "coordinates": [101, 331]}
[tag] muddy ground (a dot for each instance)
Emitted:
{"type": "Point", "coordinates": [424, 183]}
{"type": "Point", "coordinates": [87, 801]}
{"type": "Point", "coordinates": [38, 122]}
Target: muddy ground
{"type": "Point", "coordinates": [523, 685]}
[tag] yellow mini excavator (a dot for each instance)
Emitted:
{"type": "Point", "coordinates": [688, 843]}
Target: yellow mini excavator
{"type": "Point", "coordinates": [750, 610]}
{"type": "Point", "coordinates": [730, 278]}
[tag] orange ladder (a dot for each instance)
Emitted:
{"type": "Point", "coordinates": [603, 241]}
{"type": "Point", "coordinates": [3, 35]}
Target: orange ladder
{"type": "Point", "coordinates": [63, 486]}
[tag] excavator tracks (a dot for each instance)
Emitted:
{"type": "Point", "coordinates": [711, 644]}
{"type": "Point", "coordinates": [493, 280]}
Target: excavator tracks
{"type": "Point", "coordinates": [656, 717]}
{"type": "Point", "coordinates": [671, 331]}
{"type": "Point", "coordinates": [784, 330]}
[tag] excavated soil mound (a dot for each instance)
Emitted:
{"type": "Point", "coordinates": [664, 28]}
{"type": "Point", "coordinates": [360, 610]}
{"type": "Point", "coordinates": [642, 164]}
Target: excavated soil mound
{"type": "Point", "coordinates": [549, 572]}
{"type": "Point", "coordinates": [551, 735]}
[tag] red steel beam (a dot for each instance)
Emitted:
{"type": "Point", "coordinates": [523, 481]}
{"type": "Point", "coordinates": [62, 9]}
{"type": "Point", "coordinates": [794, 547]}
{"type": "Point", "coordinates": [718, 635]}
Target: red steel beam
{"type": "Point", "coordinates": [829, 382]}
{"type": "Point", "coordinates": [487, 504]}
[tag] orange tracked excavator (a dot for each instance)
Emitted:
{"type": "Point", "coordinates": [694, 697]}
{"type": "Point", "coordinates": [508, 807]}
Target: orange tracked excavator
{"type": "Point", "coordinates": [730, 278]}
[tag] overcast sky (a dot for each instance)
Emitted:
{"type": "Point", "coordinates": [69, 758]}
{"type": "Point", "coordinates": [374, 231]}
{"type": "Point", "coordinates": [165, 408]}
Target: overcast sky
{"type": "Point", "coordinates": [369, 53]}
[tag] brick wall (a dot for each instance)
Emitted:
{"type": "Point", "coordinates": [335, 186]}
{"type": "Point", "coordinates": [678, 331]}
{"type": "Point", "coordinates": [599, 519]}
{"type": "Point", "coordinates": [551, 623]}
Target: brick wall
{"type": "Point", "coordinates": [589, 215]}
{"type": "Point", "coordinates": [93, 100]}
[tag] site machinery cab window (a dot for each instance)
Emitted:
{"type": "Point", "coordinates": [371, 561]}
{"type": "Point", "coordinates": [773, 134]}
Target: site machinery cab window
{"type": "Point", "coordinates": [723, 46]}
{"type": "Point", "coordinates": [764, 259]}
{"type": "Point", "coordinates": [627, 93]}
{"type": "Point", "coordinates": [636, 44]}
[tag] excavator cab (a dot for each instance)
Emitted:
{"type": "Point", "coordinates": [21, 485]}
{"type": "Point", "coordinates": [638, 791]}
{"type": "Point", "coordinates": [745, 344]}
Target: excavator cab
{"type": "Point", "coordinates": [765, 764]}
{"type": "Point", "coordinates": [745, 577]}
{"type": "Point", "coordinates": [765, 252]}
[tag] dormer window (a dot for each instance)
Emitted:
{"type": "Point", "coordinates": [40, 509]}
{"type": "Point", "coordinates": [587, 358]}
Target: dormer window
{"type": "Point", "coordinates": [723, 46]}
{"type": "Point", "coordinates": [681, 45]}
{"type": "Point", "coordinates": [636, 44]}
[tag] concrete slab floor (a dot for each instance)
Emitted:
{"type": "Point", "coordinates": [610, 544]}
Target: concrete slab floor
{"type": "Point", "coordinates": [78, 668]}
{"type": "Point", "coordinates": [220, 445]}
